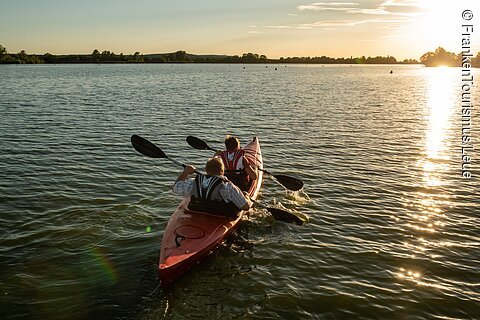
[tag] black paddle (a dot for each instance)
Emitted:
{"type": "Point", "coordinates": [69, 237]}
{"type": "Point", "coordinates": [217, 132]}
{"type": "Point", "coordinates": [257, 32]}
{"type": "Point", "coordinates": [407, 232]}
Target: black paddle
{"type": "Point", "coordinates": [149, 149]}
{"type": "Point", "coordinates": [285, 216]}
{"type": "Point", "coordinates": [288, 182]}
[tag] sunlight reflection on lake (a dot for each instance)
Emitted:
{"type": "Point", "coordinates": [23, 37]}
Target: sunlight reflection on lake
{"type": "Point", "coordinates": [426, 207]}
{"type": "Point", "coordinates": [440, 105]}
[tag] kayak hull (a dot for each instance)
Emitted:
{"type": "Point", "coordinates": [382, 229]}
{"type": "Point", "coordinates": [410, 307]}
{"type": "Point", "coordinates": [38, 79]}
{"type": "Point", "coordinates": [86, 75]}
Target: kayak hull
{"type": "Point", "coordinates": [191, 236]}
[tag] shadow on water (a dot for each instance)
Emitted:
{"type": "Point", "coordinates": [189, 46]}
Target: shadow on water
{"type": "Point", "coordinates": [193, 291]}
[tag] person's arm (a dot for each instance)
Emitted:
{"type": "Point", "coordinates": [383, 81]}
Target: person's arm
{"type": "Point", "coordinates": [233, 194]}
{"type": "Point", "coordinates": [247, 205]}
{"type": "Point", "coordinates": [186, 172]}
{"type": "Point", "coordinates": [183, 186]}
{"type": "Point", "coordinates": [251, 170]}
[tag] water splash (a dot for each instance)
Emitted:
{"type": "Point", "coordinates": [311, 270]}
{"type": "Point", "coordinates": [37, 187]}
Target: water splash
{"type": "Point", "coordinates": [297, 197]}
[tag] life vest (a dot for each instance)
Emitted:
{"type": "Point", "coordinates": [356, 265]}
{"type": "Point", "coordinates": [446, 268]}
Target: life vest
{"type": "Point", "coordinates": [206, 197]}
{"type": "Point", "coordinates": [233, 160]}
{"type": "Point", "coordinates": [235, 168]}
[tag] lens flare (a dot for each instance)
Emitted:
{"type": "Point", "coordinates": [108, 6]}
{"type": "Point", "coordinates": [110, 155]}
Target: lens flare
{"type": "Point", "coordinates": [104, 264]}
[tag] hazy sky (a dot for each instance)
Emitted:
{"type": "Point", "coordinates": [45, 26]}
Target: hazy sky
{"type": "Point", "coordinates": [402, 28]}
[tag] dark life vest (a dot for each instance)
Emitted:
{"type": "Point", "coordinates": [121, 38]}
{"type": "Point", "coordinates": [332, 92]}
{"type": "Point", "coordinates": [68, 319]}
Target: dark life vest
{"type": "Point", "coordinates": [206, 197]}
{"type": "Point", "coordinates": [235, 168]}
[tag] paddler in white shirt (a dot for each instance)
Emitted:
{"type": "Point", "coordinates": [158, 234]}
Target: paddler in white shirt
{"type": "Point", "coordinates": [211, 193]}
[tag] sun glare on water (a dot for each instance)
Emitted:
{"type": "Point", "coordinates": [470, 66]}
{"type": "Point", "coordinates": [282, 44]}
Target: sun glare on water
{"type": "Point", "coordinates": [440, 107]}
{"type": "Point", "coordinates": [426, 207]}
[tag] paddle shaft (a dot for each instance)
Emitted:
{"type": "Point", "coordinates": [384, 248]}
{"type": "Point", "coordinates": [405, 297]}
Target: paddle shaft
{"type": "Point", "coordinates": [180, 164]}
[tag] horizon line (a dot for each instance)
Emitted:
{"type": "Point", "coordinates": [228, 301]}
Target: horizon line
{"type": "Point", "coordinates": [213, 54]}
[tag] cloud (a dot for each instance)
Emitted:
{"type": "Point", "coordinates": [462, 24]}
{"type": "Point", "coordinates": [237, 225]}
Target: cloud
{"type": "Point", "coordinates": [401, 3]}
{"type": "Point", "coordinates": [334, 23]}
{"type": "Point", "coordinates": [280, 27]}
{"type": "Point", "coordinates": [370, 11]}
{"type": "Point", "coordinates": [338, 23]}
{"type": "Point", "coordinates": [388, 7]}
{"type": "Point", "coordinates": [351, 23]}
{"type": "Point", "coordinates": [333, 6]}
{"type": "Point", "coordinates": [403, 7]}
{"type": "Point", "coordinates": [351, 14]}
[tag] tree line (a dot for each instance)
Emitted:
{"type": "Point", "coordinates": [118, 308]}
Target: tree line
{"type": "Point", "coordinates": [95, 57]}
{"type": "Point", "coordinates": [180, 57]}
{"type": "Point", "coordinates": [439, 57]}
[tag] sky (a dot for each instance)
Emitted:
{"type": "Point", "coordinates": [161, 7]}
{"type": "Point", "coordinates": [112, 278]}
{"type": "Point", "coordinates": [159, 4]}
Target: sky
{"type": "Point", "coordinates": [277, 28]}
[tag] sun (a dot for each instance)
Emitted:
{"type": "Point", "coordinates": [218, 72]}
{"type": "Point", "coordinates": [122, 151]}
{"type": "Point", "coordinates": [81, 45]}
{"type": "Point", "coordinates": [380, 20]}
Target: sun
{"type": "Point", "coordinates": [437, 24]}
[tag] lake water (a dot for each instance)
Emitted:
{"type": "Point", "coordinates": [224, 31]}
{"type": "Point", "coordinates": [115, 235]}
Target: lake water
{"type": "Point", "coordinates": [393, 231]}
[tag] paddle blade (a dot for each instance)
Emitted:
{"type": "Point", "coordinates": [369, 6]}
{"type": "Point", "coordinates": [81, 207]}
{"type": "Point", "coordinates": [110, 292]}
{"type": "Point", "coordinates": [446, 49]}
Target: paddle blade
{"type": "Point", "coordinates": [147, 148]}
{"type": "Point", "coordinates": [197, 143]}
{"type": "Point", "coordinates": [287, 216]}
{"type": "Point", "coordinates": [288, 182]}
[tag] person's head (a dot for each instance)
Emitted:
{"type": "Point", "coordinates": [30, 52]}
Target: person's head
{"type": "Point", "coordinates": [232, 143]}
{"type": "Point", "coordinates": [214, 167]}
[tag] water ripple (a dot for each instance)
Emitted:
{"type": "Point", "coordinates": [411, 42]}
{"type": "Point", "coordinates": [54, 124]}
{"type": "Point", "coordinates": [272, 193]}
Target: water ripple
{"type": "Point", "coordinates": [393, 231]}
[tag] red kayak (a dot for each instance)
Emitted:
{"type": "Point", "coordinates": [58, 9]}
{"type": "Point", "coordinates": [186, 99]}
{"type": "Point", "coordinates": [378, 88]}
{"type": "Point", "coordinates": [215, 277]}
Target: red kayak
{"type": "Point", "coordinates": [191, 236]}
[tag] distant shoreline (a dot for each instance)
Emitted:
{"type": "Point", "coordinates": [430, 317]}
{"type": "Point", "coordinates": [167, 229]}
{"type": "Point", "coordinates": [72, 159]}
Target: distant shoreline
{"type": "Point", "coordinates": [107, 57]}
{"type": "Point", "coordinates": [430, 59]}
{"type": "Point", "coordinates": [276, 64]}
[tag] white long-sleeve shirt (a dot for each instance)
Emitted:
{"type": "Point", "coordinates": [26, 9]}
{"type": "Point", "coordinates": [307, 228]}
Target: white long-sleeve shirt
{"type": "Point", "coordinates": [228, 191]}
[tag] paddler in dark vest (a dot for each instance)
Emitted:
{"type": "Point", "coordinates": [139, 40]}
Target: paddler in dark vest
{"type": "Point", "coordinates": [237, 167]}
{"type": "Point", "coordinates": [211, 193]}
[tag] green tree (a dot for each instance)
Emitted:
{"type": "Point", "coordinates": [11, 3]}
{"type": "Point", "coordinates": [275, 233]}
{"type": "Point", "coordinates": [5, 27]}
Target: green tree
{"type": "Point", "coordinates": [250, 57]}
{"type": "Point", "coordinates": [4, 57]}
{"type": "Point", "coordinates": [48, 57]}
{"type": "Point", "coordinates": [22, 56]}
{"type": "Point", "coordinates": [138, 57]}
{"type": "Point", "coordinates": [440, 57]}
{"type": "Point", "coordinates": [181, 56]}
{"type": "Point", "coordinates": [96, 55]}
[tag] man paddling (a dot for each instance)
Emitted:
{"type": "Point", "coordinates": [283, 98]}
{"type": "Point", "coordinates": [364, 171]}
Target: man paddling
{"type": "Point", "coordinates": [237, 167]}
{"type": "Point", "coordinates": [211, 193]}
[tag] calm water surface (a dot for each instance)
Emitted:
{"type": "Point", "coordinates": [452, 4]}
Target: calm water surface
{"type": "Point", "coordinates": [393, 232]}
